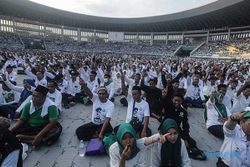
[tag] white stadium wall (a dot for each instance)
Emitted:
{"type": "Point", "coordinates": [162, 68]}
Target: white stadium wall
{"type": "Point", "coordinates": [116, 36]}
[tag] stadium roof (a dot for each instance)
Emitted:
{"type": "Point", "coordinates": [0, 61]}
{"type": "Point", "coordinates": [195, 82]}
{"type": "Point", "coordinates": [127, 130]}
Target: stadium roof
{"type": "Point", "coordinates": [219, 14]}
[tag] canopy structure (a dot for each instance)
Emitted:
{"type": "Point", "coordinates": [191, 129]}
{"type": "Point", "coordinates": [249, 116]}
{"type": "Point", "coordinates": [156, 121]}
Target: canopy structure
{"type": "Point", "coordinates": [219, 14]}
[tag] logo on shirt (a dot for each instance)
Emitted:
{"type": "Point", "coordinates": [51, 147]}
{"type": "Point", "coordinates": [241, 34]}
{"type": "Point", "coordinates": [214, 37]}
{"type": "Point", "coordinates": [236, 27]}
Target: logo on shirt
{"type": "Point", "coordinates": [98, 115]}
{"type": "Point", "coordinates": [135, 111]}
{"type": "Point", "coordinates": [181, 114]}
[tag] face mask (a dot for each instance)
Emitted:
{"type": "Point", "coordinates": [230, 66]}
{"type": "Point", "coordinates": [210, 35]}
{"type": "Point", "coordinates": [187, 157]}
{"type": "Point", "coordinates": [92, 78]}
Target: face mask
{"type": "Point", "coordinates": [106, 80]}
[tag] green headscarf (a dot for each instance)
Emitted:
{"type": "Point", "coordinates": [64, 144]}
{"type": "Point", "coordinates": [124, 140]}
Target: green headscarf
{"type": "Point", "coordinates": [124, 129]}
{"type": "Point", "coordinates": [170, 153]}
{"type": "Point", "coordinates": [221, 107]}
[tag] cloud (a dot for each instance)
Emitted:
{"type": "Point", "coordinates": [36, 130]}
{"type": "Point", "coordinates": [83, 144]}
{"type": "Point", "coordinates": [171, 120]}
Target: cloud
{"type": "Point", "coordinates": [122, 8]}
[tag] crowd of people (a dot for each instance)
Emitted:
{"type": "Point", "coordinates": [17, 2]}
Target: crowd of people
{"type": "Point", "coordinates": [231, 48]}
{"type": "Point", "coordinates": [149, 86]}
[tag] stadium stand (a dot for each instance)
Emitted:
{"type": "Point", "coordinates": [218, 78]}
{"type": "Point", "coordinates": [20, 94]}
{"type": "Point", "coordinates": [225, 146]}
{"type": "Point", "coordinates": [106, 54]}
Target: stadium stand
{"type": "Point", "coordinates": [192, 55]}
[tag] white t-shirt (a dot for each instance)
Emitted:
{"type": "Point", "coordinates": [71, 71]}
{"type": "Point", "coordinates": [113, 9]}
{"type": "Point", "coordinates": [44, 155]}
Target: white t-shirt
{"type": "Point", "coordinates": [101, 110]}
{"type": "Point", "coordinates": [141, 109]}
{"type": "Point", "coordinates": [11, 159]}
{"type": "Point", "coordinates": [56, 97]}
{"type": "Point", "coordinates": [234, 151]}
{"type": "Point", "coordinates": [240, 103]}
{"type": "Point", "coordinates": [213, 115]}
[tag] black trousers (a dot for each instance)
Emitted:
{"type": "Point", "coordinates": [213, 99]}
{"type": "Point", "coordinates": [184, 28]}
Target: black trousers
{"type": "Point", "coordinates": [50, 137]}
{"type": "Point", "coordinates": [217, 131]}
{"type": "Point", "coordinates": [86, 131]}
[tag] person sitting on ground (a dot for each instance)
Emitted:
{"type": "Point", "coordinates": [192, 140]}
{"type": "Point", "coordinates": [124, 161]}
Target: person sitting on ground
{"type": "Point", "coordinates": [235, 150]}
{"type": "Point", "coordinates": [242, 99]}
{"type": "Point", "coordinates": [8, 98]}
{"type": "Point", "coordinates": [194, 96]}
{"type": "Point", "coordinates": [38, 122]}
{"type": "Point", "coordinates": [92, 84]}
{"type": "Point", "coordinates": [136, 81]}
{"type": "Point", "coordinates": [172, 153]}
{"type": "Point", "coordinates": [11, 75]}
{"type": "Point", "coordinates": [167, 94]}
{"type": "Point", "coordinates": [138, 110]}
{"type": "Point", "coordinates": [153, 97]}
{"type": "Point", "coordinates": [73, 90]}
{"type": "Point", "coordinates": [129, 151]}
{"type": "Point", "coordinates": [25, 92]}
{"type": "Point", "coordinates": [109, 84]}
{"type": "Point", "coordinates": [102, 113]}
{"type": "Point", "coordinates": [176, 111]}
{"type": "Point", "coordinates": [217, 113]}
{"type": "Point", "coordinates": [222, 88]}
{"type": "Point", "coordinates": [10, 147]}
{"type": "Point", "coordinates": [39, 77]}
{"type": "Point", "coordinates": [54, 94]}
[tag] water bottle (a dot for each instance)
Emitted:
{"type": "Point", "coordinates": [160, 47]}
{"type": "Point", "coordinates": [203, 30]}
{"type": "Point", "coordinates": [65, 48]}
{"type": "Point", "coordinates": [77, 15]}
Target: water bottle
{"type": "Point", "coordinates": [81, 149]}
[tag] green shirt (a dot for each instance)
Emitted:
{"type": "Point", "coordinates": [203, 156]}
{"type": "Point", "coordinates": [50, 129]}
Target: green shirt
{"type": "Point", "coordinates": [35, 118]}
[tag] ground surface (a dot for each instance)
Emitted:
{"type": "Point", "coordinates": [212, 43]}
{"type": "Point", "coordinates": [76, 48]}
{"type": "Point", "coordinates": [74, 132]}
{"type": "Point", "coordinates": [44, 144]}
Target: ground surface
{"type": "Point", "coordinates": [65, 152]}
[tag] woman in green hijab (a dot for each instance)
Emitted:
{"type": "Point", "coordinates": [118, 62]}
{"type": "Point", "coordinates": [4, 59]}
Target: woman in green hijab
{"type": "Point", "coordinates": [173, 152]}
{"type": "Point", "coordinates": [128, 151]}
{"type": "Point", "coordinates": [217, 114]}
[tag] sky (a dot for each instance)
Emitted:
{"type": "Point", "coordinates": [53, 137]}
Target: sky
{"type": "Point", "coordinates": [124, 8]}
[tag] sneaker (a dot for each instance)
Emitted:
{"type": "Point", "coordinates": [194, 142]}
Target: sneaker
{"type": "Point", "coordinates": [196, 154]}
{"type": "Point", "coordinates": [72, 103]}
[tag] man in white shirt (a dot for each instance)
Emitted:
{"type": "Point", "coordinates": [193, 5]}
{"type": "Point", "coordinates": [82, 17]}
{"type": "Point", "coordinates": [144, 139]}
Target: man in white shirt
{"type": "Point", "coordinates": [55, 95]}
{"type": "Point", "coordinates": [222, 88]}
{"type": "Point", "coordinates": [235, 149]}
{"type": "Point", "coordinates": [102, 113]}
{"type": "Point", "coordinates": [39, 77]}
{"type": "Point", "coordinates": [209, 87]}
{"type": "Point", "coordinates": [72, 90]}
{"type": "Point", "coordinates": [109, 84]}
{"type": "Point", "coordinates": [194, 95]}
{"type": "Point", "coordinates": [138, 110]}
{"type": "Point", "coordinates": [242, 99]}
{"type": "Point", "coordinates": [131, 82]}
{"type": "Point", "coordinates": [232, 89]}
{"type": "Point", "coordinates": [10, 73]}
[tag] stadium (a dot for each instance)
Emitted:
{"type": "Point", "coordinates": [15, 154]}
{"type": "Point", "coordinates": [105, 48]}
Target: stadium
{"type": "Point", "coordinates": [41, 45]}
{"type": "Point", "coordinates": [194, 32]}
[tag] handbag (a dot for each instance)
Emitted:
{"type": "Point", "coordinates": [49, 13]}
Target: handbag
{"type": "Point", "coordinates": [95, 147]}
{"type": "Point", "coordinates": [135, 122]}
